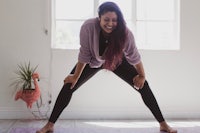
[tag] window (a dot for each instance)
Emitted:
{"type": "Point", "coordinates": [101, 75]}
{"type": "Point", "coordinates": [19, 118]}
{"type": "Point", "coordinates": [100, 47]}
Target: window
{"type": "Point", "coordinates": [155, 23]}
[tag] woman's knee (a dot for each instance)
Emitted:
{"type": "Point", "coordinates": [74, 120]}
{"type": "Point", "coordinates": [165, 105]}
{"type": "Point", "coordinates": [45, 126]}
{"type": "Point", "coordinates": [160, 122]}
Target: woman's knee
{"type": "Point", "coordinates": [67, 88]}
{"type": "Point", "coordinates": [145, 87]}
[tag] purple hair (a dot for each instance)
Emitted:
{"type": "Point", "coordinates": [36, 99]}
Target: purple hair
{"type": "Point", "coordinates": [114, 53]}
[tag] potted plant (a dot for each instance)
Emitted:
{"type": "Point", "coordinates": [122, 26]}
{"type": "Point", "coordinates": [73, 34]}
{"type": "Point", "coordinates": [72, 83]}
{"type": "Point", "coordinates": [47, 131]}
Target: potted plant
{"type": "Point", "coordinates": [26, 84]}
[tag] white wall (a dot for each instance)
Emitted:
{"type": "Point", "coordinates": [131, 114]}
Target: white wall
{"type": "Point", "coordinates": [22, 39]}
{"type": "Point", "coordinates": [172, 75]}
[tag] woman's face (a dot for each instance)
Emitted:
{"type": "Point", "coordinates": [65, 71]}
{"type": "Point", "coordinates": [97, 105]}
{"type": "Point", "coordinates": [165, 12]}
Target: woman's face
{"type": "Point", "coordinates": [108, 21]}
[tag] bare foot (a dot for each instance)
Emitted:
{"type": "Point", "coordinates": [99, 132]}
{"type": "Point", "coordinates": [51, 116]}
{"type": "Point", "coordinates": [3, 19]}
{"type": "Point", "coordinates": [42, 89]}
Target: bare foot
{"type": "Point", "coordinates": [166, 128]}
{"type": "Point", "coordinates": [48, 128]}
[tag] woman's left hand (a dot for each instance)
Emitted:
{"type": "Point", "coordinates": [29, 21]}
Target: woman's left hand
{"type": "Point", "coordinates": [138, 82]}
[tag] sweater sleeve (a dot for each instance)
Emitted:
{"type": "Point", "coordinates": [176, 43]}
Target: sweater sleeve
{"type": "Point", "coordinates": [130, 51]}
{"type": "Point", "coordinates": [84, 51]}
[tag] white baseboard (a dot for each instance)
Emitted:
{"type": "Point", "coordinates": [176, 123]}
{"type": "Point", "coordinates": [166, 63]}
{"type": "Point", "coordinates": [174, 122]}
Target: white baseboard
{"type": "Point", "coordinates": [13, 113]}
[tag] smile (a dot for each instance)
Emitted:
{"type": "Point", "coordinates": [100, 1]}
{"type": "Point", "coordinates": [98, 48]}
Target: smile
{"type": "Point", "coordinates": [109, 28]}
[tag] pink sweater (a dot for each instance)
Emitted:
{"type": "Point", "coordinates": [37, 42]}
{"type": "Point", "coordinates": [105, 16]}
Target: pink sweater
{"type": "Point", "coordinates": [89, 41]}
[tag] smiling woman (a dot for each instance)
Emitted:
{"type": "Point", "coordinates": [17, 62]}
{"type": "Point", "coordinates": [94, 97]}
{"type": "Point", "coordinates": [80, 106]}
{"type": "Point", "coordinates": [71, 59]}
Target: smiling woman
{"type": "Point", "coordinates": [118, 55]}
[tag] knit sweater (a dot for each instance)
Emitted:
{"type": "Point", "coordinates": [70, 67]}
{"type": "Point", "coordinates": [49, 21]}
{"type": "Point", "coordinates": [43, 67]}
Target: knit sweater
{"type": "Point", "coordinates": [89, 45]}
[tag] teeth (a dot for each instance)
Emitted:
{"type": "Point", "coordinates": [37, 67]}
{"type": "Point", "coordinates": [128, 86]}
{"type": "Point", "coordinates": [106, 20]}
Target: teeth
{"type": "Point", "coordinates": [108, 27]}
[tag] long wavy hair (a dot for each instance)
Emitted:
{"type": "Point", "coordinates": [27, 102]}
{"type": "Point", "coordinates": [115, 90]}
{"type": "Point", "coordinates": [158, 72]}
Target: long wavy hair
{"type": "Point", "coordinates": [114, 52]}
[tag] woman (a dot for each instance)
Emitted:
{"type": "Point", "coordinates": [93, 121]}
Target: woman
{"type": "Point", "coordinates": [106, 43]}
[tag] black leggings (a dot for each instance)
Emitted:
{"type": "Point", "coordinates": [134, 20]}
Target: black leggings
{"type": "Point", "coordinates": [125, 71]}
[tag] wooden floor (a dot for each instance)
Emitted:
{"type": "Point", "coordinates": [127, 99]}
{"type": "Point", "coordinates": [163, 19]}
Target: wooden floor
{"type": "Point", "coordinates": [110, 126]}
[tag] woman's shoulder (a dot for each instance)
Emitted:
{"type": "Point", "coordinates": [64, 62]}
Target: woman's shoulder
{"type": "Point", "coordinates": [92, 22]}
{"type": "Point", "coordinates": [129, 33]}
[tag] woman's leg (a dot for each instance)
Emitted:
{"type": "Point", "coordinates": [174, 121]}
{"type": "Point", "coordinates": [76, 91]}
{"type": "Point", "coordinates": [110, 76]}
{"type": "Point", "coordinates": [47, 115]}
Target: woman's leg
{"type": "Point", "coordinates": [65, 95]}
{"type": "Point", "coordinates": [126, 72]}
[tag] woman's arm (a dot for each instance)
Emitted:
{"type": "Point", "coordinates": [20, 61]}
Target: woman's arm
{"type": "Point", "coordinates": [73, 78]}
{"type": "Point", "coordinates": [79, 69]}
{"type": "Point", "coordinates": [140, 69]}
{"type": "Point", "coordinates": [140, 78]}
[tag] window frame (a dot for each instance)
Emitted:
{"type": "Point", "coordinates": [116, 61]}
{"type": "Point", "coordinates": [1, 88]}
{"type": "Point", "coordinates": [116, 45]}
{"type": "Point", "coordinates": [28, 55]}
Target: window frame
{"type": "Point", "coordinates": [133, 27]}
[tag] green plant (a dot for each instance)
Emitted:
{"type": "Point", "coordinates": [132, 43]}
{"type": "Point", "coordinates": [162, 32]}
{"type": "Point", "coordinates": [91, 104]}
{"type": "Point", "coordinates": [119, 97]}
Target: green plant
{"type": "Point", "coordinates": [24, 76]}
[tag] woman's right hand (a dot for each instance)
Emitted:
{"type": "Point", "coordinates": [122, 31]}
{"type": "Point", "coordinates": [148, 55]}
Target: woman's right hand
{"type": "Point", "coordinates": [71, 79]}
